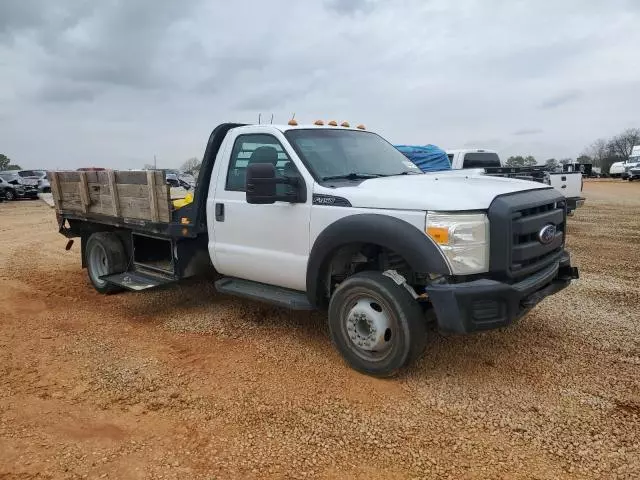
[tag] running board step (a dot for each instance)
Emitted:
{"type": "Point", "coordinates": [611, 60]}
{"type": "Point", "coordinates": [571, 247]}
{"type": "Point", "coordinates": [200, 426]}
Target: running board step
{"type": "Point", "coordinates": [282, 297]}
{"type": "Point", "coordinates": [138, 280]}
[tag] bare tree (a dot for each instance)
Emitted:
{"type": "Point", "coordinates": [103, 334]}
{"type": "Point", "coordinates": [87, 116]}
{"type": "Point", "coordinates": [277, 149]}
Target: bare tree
{"type": "Point", "coordinates": [516, 161]}
{"type": "Point", "coordinates": [598, 151]}
{"type": "Point", "coordinates": [622, 145]}
{"type": "Point", "coordinates": [551, 164]}
{"type": "Point", "coordinates": [191, 166]}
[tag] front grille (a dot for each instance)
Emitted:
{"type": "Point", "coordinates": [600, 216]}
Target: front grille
{"type": "Point", "coordinates": [527, 252]}
{"type": "Point", "coordinates": [516, 221]}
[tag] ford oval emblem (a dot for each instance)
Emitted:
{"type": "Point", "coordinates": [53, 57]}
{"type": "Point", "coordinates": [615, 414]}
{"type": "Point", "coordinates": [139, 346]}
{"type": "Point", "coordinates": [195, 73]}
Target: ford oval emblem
{"type": "Point", "coordinates": [547, 234]}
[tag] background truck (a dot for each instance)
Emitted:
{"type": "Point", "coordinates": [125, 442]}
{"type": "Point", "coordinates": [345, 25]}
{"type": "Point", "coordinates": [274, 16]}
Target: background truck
{"type": "Point", "coordinates": [569, 184]}
{"type": "Point", "coordinates": [333, 218]}
{"type": "Point", "coordinates": [621, 169]}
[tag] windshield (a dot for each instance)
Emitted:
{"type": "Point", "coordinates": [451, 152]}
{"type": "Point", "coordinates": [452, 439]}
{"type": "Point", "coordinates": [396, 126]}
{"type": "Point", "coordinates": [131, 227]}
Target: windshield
{"type": "Point", "coordinates": [348, 153]}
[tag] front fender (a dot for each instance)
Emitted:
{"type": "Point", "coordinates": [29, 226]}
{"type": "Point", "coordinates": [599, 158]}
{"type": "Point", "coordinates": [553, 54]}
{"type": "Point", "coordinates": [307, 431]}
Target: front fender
{"type": "Point", "coordinates": [417, 249]}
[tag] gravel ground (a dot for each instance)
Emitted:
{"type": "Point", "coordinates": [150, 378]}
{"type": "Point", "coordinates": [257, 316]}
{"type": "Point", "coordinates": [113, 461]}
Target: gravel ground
{"type": "Point", "coordinates": [184, 383]}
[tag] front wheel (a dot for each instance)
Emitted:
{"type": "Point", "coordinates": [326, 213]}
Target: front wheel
{"type": "Point", "coordinates": [10, 195]}
{"type": "Point", "coordinates": [376, 324]}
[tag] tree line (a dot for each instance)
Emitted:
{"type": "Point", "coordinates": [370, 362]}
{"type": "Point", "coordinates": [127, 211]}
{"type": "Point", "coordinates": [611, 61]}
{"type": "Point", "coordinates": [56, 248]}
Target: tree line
{"type": "Point", "coordinates": [5, 163]}
{"type": "Point", "coordinates": [602, 153]}
{"type": "Point", "coordinates": [605, 152]}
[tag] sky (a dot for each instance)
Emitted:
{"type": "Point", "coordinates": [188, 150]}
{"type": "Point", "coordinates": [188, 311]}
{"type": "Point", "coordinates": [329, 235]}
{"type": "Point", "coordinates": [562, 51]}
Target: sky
{"type": "Point", "coordinates": [115, 82]}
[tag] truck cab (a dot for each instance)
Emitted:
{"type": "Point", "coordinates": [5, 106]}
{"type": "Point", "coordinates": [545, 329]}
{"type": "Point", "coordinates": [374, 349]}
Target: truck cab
{"type": "Point", "coordinates": [335, 218]}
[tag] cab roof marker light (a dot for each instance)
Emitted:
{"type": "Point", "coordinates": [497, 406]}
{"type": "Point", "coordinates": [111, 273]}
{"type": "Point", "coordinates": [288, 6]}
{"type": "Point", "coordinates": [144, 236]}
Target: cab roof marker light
{"type": "Point", "coordinates": [318, 122]}
{"type": "Point", "coordinates": [361, 127]}
{"type": "Point", "coordinates": [292, 123]}
{"type": "Point", "coordinates": [332, 123]}
{"type": "Point", "coordinates": [345, 124]}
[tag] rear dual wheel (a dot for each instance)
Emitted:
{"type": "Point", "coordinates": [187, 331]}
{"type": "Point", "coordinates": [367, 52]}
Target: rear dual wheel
{"type": "Point", "coordinates": [105, 255]}
{"type": "Point", "coordinates": [377, 326]}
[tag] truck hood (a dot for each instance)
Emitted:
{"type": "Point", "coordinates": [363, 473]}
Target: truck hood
{"type": "Point", "coordinates": [446, 191]}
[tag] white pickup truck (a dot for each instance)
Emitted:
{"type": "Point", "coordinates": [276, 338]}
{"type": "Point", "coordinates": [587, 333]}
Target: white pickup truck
{"type": "Point", "coordinates": [335, 218]}
{"type": "Point", "coordinates": [569, 184]}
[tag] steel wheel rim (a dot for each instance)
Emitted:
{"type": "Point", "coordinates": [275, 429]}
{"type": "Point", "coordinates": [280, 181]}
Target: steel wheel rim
{"type": "Point", "coordinates": [369, 326]}
{"type": "Point", "coordinates": [98, 264]}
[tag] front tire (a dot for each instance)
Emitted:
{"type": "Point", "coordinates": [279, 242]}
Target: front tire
{"type": "Point", "coordinates": [376, 324]}
{"type": "Point", "coordinates": [10, 195]}
{"type": "Point", "coordinates": [105, 255]}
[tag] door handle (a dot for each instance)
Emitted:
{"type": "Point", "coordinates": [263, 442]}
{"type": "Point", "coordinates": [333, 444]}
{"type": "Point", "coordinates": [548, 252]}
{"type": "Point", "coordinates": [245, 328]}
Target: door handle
{"type": "Point", "coordinates": [219, 212]}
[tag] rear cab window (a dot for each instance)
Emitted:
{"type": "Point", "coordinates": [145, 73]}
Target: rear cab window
{"type": "Point", "coordinates": [481, 160]}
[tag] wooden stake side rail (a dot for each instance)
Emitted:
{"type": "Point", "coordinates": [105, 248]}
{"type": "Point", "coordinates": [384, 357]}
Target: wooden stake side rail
{"type": "Point", "coordinates": [141, 195]}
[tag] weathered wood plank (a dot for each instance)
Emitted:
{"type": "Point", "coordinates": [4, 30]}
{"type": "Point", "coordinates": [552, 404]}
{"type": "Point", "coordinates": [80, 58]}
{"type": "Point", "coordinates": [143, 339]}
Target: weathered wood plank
{"type": "Point", "coordinates": [69, 176]}
{"type": "Point", "coordinates": [132, 178]}
{"type": "Point", "coordinates": [153, 197]}
{"type": "Point", "coordinates": [140, 195]}
{"type": "Point", "coordinates": [84, 192]}
{"type": "Point", "coordinates": [115, 196]}
{"type": "Point", "coordinates": [55, 189]}
{"type": "Point", "coordinates": [72, 201]}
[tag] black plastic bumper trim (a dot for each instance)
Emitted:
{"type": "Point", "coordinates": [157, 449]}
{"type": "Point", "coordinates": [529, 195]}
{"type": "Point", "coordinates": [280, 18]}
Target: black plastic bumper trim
{"type": "Point", "coordinates": [487, 304]}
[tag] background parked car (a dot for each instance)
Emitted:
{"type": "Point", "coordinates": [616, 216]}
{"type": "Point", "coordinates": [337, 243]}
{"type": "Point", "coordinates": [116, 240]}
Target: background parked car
{"type": "Point", "coordinates": [40, 176]}
{"type": "Point", "coordinates": [176, 179]}
{"type": "Point", "coordinates": [14, 188]}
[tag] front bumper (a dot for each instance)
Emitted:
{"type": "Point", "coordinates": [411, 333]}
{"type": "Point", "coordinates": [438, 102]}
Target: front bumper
{"type": "Point", "coordinates": [575, 202]}
{"type": "Point", "coordinates": [30, 193]}
{"type": "Point", "coordinates": [487, 304]}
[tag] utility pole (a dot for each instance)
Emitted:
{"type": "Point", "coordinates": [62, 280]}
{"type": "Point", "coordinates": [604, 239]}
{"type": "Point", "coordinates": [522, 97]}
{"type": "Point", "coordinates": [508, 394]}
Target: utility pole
{"type": "Point", "coordinates": [154, 163]}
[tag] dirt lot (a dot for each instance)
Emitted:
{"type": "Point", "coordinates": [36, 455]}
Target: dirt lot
{"type": "Point", "coordinates": [188, 384]}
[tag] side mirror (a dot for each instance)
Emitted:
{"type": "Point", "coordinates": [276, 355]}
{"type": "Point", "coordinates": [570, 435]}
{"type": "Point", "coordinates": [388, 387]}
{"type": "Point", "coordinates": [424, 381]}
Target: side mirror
{"type": "Point", "coordinates": [261, 183]}
{"type": "Point", "coordinates": [261, 186]}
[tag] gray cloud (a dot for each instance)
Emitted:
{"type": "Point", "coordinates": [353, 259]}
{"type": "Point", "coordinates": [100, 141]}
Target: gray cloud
{"type": "Point", "coordinates": [350, 7]}
{"type": "Point", "coordinates": [156, 76]}
{"type": "Point", "coordinates": [528, 131]}
{"type": "Point", "coordinates": [561, 99]}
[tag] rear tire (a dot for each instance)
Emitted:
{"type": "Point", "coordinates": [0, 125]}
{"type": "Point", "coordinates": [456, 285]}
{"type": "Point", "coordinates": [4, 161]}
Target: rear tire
{"type": "Point", "coordinates": [10, 195]}
{"type": "Point", "coordinates": [105, 255]}
{"type": "Point", "coordinates": [376, 325]}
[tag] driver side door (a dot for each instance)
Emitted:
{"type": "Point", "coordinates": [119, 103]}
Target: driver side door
{"type": "Point", "coordinates": [263, 243]}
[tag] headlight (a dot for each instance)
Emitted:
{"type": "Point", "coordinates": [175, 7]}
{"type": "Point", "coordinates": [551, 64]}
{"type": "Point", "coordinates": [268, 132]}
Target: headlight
{"type": "Point", "coordinates": [463, 238]}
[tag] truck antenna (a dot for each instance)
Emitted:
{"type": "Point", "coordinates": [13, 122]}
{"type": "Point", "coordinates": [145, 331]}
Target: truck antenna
{"type": "Point", "coordinates": [272, 119]}
{"type": "Point", "coordinates": [259, 118]}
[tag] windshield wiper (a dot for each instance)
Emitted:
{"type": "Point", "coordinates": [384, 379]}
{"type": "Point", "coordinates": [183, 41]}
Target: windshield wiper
{"type": "Point", "coordinates": [352, 176]}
